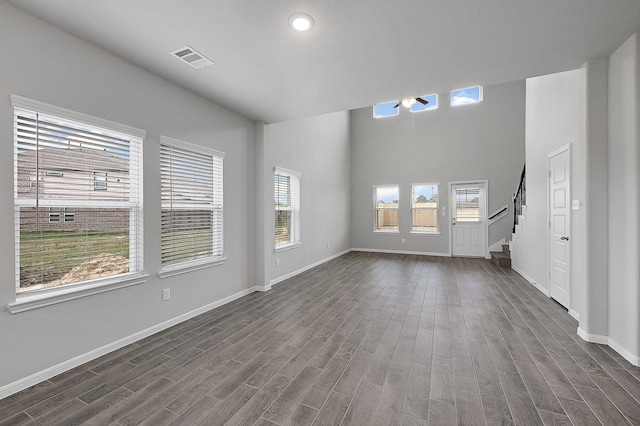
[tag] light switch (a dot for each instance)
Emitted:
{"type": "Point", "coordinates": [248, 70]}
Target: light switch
{"type": "Point", "coordinates": [575, 204]}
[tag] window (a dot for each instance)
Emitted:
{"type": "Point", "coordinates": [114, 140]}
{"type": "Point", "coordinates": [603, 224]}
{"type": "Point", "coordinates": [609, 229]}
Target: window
{"type": "Point", "coordinates": [99, 181]}
{"type": "Point", "coordinates": [191, 179]}
{"type": "Point", "coordinates": [33, 181]}
{"type": "Point", "coordinates": [424, 208]}
{"type": "Point", "coordinates": [433, 104]}
{"type": "Point", "coordinates": [286, 193]}
{"type": "Point", "coordinates": [467, 204]}
{"type": "Point", "coordinates": [62, 214]}
{"type": "Point", "coordinates": [66, 233]}
{"type": "Point", "coordinates": [470, 95]}
{"type": "Point", "coordinates": [386, 109]}
{"type": "Point", "coordinates": [385, 206]}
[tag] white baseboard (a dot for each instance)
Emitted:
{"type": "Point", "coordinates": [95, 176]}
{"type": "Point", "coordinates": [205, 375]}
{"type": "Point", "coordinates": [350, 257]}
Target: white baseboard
{"type": "Point", "coordinates": [593, 338]}
{"type": "Point", "coordinates": [531, 281]}
{"type": "Point", "coordinates": [633, 359]}
{"type": "Point", "coordinates": [419, 253]}
{"type": "Point", "coordinates": [494, 247]}
{"type": "Point", "coordinates": [306, 268]}
{"type": "Point", "coordinates": [606, 340]}
{"type": "Point", "coordinates": [574, 314]}
{"type": "Point", "coordinates": [498, 245]}
{"type": "Point", "coordinates": [50, 372]}
{"type": "Point", "coordinates": [263, 288]}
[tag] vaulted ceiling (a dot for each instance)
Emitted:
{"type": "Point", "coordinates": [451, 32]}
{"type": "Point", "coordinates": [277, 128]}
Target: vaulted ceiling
{"type": "Point", "coordinates": [360, 52]}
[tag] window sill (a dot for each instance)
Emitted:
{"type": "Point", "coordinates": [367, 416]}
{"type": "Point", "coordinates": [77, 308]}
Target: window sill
{"type": "Point", "coordinates": [186, 267]}
{"type": "Point", "coordinates": [287, 247]}
{"type": "Point", "coordinates": [432, 234]}
{"type": "Point", "coordinates": [27, 302]}
{"type": "Point", "coordinates": [386, 232]}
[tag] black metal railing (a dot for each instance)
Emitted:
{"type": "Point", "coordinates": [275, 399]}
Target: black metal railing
{"type": "Point", "coordinates": [519, 199]}
{"type": "Point", "coordinates": [499, 212]}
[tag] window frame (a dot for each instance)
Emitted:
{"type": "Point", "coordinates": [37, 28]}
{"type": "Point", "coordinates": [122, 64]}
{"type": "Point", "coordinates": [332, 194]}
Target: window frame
{"type": "Point", "coordinates": [295, 202]}
{"type": "Point", "coordinates": [375, 108]}
{"type": "Point", "coordinates": [377, 230]}
{"type": "Point", "coordinates": [99, 181]}
{"type": "Point", "coordinates": [480, 96]}
{"type": "Point", "coordinates": [217, 196]}
{"type": "Point", "coordinates": [33, 299]}
{"type": "Point", "coordinates": [434, 103]}
{"type": "Point", "coordinates": [64, 214]}
{"type": "Point", "coordinates": [412, 229]}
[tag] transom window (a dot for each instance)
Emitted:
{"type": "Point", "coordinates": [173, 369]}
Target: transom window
{"type": "Point", "coordinates": [385, 109]}
{"type": "Point", "coordinates": [470, 95]}
{"type": "Point", "coordinates": [424, 208]}
{"type": "Point", "coordinates": [385, 207]}
{"type": "Point", "coordinates": [191, 179]}
{"type": "Point", "coordinates": [65, 232]}
{"type": "Point", "coordinates": [432, 104]}
{"type": "Point", "coordinates": [286, 193]}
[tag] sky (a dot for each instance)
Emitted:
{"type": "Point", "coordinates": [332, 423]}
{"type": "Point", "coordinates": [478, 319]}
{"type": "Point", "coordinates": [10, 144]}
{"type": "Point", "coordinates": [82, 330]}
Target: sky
{"type": "Point", "coordinates": [426, 190]}
{"type": "Point", "coordinates": [387, 193]}
{"type": "Point", "coordinates": [467, 96]}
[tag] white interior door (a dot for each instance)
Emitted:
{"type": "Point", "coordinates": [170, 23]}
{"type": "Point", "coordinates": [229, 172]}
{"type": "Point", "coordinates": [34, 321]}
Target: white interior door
{"type": "Point", "coordinates": [559, 226]}
{"type": "Point", "coordinates": [468, 219]}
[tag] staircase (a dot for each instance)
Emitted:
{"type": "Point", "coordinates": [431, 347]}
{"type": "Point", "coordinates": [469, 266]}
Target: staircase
{"type": "Point", "coordinates": [502, 258]}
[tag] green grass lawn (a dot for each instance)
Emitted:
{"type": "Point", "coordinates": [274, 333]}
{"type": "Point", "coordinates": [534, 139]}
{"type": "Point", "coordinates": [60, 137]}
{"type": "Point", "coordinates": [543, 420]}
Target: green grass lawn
{"type": "Point", "coordinates": [47, 255]}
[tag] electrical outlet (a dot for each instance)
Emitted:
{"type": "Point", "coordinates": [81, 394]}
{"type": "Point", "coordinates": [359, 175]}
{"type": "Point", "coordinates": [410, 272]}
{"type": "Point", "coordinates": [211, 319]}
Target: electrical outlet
{"type": "Point", "coordinates": [277, 261]}
{"type": "Point", "coordinates": [403, 241]}
{"type": "Point", "coordinates": [324, 247]}
{"type": "Point", "coordinates": [166, 294]}
{"type": "Point", "coordinates": [328, 245]}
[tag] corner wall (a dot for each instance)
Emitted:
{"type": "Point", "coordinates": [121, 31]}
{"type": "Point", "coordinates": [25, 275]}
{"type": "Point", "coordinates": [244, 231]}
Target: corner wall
{"type": "Point", "coordinates": [555, 118]}
{"type": "Point", "coordinates": [624, 199]}
{"type": "Point", "coordinates": [318, 148]}
{"type": "Point", "coordinates": [49, 65]}
{"type": "Point", "coordinates": [483, 141]}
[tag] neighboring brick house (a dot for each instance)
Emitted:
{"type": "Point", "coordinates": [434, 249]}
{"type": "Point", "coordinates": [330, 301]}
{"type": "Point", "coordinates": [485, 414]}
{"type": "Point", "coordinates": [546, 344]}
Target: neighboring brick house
{"type": "Point", "coordinates": [72, 174]}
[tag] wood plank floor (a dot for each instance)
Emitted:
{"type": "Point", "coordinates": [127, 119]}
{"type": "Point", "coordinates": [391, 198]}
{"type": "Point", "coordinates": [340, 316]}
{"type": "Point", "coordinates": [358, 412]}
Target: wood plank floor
{"type": "Point", "coordinates": [364, 339]}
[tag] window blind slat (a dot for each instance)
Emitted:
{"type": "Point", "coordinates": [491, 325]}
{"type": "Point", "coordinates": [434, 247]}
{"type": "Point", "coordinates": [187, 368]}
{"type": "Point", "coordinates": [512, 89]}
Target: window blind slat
{"type": "Point", "coordinates": [70, 225]}
{"type": "Point", "coordinates": [191, 199]}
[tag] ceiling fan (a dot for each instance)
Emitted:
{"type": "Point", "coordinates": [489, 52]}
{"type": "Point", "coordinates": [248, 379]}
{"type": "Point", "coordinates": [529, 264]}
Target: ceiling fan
{"type": "Point", "coordinates": [410, 101]}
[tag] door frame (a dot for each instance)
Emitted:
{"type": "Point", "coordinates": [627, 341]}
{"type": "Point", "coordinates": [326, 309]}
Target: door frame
{"type": "Point", "coordinates": [483, 213]}
{"type": "Point", "coordinates": [562, 149]}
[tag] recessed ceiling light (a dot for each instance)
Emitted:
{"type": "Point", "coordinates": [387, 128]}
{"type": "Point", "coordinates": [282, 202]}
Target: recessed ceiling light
{"type": "Point", "coordinates": [301, 22]}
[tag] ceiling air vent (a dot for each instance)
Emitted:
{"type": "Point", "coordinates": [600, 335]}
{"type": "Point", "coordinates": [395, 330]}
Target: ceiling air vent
{"type": "Point", "coordinates": [191, 57]}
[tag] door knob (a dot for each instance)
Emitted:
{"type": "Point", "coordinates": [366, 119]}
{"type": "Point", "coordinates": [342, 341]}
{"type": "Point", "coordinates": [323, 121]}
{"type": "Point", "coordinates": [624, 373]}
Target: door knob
{"type": "Point", "coordinates": [564, 238]}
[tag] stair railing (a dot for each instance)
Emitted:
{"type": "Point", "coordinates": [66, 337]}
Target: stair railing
{"type": "Point", "coordinates": [519, 199]}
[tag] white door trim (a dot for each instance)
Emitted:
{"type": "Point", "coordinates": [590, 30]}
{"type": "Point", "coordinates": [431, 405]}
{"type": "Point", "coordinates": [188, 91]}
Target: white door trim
{"type": "Point", "coordinates": [562, 149]}
{"type": "Point", "coordinates": [484, 211]}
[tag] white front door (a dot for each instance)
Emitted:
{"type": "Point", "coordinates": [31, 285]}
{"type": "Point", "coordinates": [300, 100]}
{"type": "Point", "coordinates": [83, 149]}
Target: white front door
{"type": "Point", "coordinates": [559, 226]}
{"type": "Point", "coordinates": [468, 219]}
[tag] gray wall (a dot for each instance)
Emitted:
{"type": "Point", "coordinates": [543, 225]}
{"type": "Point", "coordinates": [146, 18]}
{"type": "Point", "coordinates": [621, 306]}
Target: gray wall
{"type": "Point", "coordinates": [624, 198]}
{"type": "Point", "coordinates": [318, 148]}
{"type": "Point", "coordinates": [62, 70]}
{"type": "Point", "coordinates": [555, 118]}
{"type": "Point", "coordinates": [484, 141]}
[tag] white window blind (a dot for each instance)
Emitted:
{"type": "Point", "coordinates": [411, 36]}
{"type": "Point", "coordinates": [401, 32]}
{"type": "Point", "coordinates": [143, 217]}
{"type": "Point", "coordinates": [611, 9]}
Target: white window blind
{"type": "Point", "coordinates": [286, 192]}
{"type": "Point", "coordinates": [192, 203]}
{"type": "Point", "coordinates": [65, 232]}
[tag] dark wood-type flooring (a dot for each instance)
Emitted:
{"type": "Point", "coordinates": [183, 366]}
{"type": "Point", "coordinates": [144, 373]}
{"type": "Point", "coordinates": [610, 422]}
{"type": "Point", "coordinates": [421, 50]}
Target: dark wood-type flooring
{"type": "Point", "coordinates": [364, 339]}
